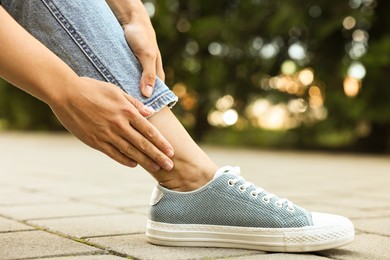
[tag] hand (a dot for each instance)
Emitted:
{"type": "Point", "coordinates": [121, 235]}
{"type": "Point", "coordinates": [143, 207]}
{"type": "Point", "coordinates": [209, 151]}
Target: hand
{"type": "Point", "coordinates": [141, 38]}
{"type": "Point", "coordinates": [107, 119]}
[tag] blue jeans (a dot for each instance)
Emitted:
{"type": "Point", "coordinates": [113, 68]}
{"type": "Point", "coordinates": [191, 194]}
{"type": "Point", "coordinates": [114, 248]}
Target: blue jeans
{"type": "Point", "coordinates": [86, 35]}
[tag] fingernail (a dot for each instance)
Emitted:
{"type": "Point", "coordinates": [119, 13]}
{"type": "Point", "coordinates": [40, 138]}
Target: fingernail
{"type": "Point", "coordinates": [156, 167]}
{"type": "Point", "coordinates": [149, 109]}
{"type": "Point", "coordinates": [133, 164]}
{"type": "Point", "coordinates": [148, 90]}
{"type": "Point", "coordinates": [168, 165]}
{"type": "Point", "coordinates": [170, 153]}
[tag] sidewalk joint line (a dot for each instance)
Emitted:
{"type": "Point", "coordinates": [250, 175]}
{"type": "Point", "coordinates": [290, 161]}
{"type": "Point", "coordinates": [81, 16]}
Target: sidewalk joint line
{"type": "Point", "coordinates": [371, 233]}
{"type": "Point", "coordinates": [114, 235]}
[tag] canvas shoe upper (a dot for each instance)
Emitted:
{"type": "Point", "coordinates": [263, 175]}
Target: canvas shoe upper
{"type": "Point", "coordinates": [231, 212]}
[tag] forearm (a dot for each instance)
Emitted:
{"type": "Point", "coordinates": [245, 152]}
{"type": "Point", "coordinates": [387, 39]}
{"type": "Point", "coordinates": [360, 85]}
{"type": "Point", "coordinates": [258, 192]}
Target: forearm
{"type": "Point", "coordinates": [29, 65]}
{"type": "Point", "coordinates": [126, 10]}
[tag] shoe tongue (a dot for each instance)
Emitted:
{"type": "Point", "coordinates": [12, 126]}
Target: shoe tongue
{"type": "Point", "coordinates": [223, 170]}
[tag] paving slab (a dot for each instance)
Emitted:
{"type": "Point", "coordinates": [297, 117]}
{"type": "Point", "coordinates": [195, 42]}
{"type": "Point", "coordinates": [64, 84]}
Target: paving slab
{"type": "Point", "coordinates": [23, 198]}
{"type": "Point", "coordinates": [63, 171]}
{"type": "Point", "coordinates": [144, 210]}
{"type": "Point", "coordinates": [365, 246]}
{"type": "Point", "coordinates": [34, 244]}
{"type": "Point", "coordinates": [7, 188]}
{"type": "Point", "coordinates": [7, 225]}
{"type": "Point", "coordinates": [137, 246]}
{"type": "Point", "coordinates": [380, 226]}
{"type": "Point", "coordinates": [81, 188]}
{"type": "Point", "coordinates": [54, 210]}
{"type": "Point", "coordinates": [277, 256]}
{"type": "Point", "coordinates": [95, 225]}
{"type": "Point", "coordinates": [124, 200]}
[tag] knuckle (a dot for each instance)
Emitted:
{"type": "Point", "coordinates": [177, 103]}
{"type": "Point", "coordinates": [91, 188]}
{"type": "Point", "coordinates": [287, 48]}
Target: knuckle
{"type": "Point", "coordinates": [127, 110]}
{"type": "Point", "coordinates": [132, 112]}
{"type": "Point", "coordinates": [106, 132]}
{"type": "Point", "coordinates": [159, 158]}
{"type": "Point", "coordinates": [151, 133]}
{"type": "Point", "coordinates": [93, 141]}
{"type": "Point", "coordinates": [135, 122]}
{"type": "Point", "coordinates": [119, 124]}
{"type": "Point", "coordinates": [143, 144]}
{"type": "Point", "coordinates": [148, 54]}
{"type": "Point", "coordinates": [129, 151]}
{"type": "Point", "coordinates": [149, 76]}
{"type": "Point", "coordinates": [137, 104]}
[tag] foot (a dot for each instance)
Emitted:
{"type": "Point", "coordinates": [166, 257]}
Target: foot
{"type": "Point", "coordinates": [231, 212]}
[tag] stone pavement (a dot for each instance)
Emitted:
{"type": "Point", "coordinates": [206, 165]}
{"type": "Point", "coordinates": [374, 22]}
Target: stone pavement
{"type": "Point", "coordinates": [60, 199]}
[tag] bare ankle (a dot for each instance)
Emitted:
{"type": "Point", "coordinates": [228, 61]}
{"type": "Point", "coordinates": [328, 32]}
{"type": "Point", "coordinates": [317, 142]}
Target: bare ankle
{"type": "Point", "coordinates": [188, 179]}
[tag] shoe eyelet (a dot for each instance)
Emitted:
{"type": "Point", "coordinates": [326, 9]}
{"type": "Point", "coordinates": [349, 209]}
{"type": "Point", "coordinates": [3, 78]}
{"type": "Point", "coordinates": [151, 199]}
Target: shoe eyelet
{"type": "Point", "coordinates": [291, 209]}
{"type": "Point", "coordinates": [242, 189]}
{"type": "Point", "coordinates": [265, 200]}
{"type": "Point", "coordinates": [254, 194]}
{"type": "Point", "coordinates": [279, 205]}
{"type": "Point", "coordinates": [230, 183]}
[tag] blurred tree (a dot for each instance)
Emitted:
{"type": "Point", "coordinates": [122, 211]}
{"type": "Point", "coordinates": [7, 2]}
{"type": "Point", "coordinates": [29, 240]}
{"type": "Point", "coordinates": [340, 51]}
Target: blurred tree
{"type": "Point", "coordinates": [309, 73]}
{"type": "Point", "coordinates": [234, 47]}
{"type": "Point", "coordinates": [19, 110]}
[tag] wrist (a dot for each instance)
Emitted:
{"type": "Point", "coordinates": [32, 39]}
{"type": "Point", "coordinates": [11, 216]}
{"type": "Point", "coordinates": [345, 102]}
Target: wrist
{"type": "Point", "coordinates": [65, 89]}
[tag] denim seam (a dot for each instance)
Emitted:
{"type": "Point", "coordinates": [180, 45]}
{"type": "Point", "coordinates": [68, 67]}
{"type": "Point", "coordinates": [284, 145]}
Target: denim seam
{"type": "Point", "coordinates": [80, 42]}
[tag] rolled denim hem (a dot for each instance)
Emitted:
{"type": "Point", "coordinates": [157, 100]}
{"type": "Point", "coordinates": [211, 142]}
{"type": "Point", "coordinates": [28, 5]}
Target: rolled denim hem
{"type": "Point", "coordinates": [164, 98]}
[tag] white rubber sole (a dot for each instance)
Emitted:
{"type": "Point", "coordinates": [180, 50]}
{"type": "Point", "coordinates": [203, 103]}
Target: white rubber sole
{"type": "Point", "coordinates": [328, 231]}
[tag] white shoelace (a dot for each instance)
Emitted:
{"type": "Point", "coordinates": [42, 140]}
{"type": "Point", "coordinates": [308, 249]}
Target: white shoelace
{"type": "Point", "coordinates": [267, 198]}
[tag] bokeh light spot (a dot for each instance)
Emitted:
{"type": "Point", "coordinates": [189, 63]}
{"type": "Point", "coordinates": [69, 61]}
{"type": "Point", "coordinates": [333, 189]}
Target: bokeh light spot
{"type": "Point", "coordinates": [230, 117]}
{"type": "Point", "coordinates": [150, 9]}
{"type": "Point", "coordinates": [306, 76]}
{"type": "Point", "coordinates": [315, 11]}
{"type": "Point", "coordinates": [349, 22]}
{"type": "Point", "coordinates": [296, 51]}
{"type": "Point", "coordinates": [351, 86]}
{"type": "Point", "coordinates": [288, 67]}
{"type": "Point", "coordinates": [357, 70]}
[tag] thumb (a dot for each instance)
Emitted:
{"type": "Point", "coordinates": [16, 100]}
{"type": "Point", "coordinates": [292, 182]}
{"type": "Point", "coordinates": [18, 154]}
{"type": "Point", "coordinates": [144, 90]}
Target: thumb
{"type": "Point", "coordinates": [142, 109]}
{"type": "Point", "coordinates": [148, 78]}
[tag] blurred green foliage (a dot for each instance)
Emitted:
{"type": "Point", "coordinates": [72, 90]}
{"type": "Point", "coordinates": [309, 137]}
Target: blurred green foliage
{"type": "Point", "coordinates": [20, 111]}
{"type": "Point", "coordinates": [238, 47]}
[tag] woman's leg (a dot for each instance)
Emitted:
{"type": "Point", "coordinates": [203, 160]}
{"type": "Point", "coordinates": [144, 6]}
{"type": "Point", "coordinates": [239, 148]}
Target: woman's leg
{"type": "Point", "coordinates": [193, 168]}
{"type": "Point", "coordinates": [87, 36]}
{"type": "Point", "coordinates": [227, 211]}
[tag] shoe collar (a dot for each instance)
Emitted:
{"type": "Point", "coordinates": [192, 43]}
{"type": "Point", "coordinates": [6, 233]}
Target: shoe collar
{"type": "Point", "coordinates": [227, 170]}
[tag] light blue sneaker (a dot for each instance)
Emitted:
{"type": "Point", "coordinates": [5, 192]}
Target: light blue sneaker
{"type": "Point", "coordinates": [231, 212]}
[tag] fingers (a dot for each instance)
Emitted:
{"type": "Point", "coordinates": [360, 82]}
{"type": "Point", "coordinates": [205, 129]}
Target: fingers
{"type": "Point", "coordinates": [147, 129]}
{"type": "Point", "coordinates": [148, 79]}
{"type": "Point", "coordinates": [146, 138]}
{"type": "Point", "coordinates": [149, 141]}
{"type": "Point", "coordinates": [115, 154]}
{"type": "Point", "coordinates": [130, 151]}
{"type": "Point", "coordinates": [152, 66]}
{"type": "Point", "coordinates": [151, 133]}
{"type": "Point", "coordinates": [144, 110]}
